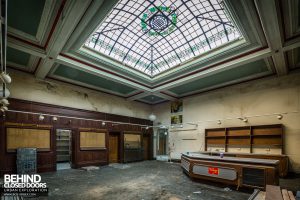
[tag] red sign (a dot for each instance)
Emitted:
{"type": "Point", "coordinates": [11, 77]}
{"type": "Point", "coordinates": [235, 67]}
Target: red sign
{"type": "Point", "coordinates": [213, 170]}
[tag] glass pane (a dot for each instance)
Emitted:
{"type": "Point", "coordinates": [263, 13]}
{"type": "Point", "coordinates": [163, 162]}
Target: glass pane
{"type": "Point", "coordinates": [154, 36]}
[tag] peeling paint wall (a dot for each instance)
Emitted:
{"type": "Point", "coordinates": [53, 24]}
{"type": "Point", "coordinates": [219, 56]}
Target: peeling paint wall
{"type": "Point", "coordinates": [25, 86]}
{"type": "Point", "coordinates": [263, 97]}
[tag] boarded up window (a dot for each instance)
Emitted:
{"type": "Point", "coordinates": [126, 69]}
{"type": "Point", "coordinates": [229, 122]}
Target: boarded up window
{"type": "Point", "coordinates": [92, 140]}
{"type": "Point", "coordinates": [132, 141]}
{"type": "Point", "coordinates": [31, 138]}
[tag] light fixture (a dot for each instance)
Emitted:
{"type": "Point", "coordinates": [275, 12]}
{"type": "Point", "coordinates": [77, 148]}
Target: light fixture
{"type": "Point", "coordinates": [54, 119]}
{"type": "Point", "coordinates": [166, 133]}
{"type": "Point", "coordinates": [4, 102]}
{"type": "Point", "coordinates": [147, 127]}
{"type": "Point", "coordinates": [4, 94]}
{"type": "Point", "coordinates": [244, 119]}
{"type": "Point", "coordinates": [41, 117]}
{"type": "Point", "coordinates": [219, 122]}
{"type": "Point", "coordinates": [152, 117]}
{"type": "Point", "coordinates": [279, 117]}
{"type": "Point", "coordinates": [103, 123]}
{"type": "Point", "coordinates": [4, 108]}
{"type": "Point", "coordinates": [5, 77]}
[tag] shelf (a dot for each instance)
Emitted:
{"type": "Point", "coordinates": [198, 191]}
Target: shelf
{"type": "Point", "coordinates": [253, 137]}
{"type": "Point", "coordinates": [267, 145]}
{"type": "Point", "coordinates": [67, 150]}
{"type": "Point", "coordinates": [215, 136]}
{"type": "Point", "coordinates": [267, 135]}
{"type": "Point", "coordinates": [231, 136]}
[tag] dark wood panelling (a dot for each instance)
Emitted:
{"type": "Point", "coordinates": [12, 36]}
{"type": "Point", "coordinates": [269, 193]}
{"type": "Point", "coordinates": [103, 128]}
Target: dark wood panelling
{"type": "Point", "coordinates": [47, 160]}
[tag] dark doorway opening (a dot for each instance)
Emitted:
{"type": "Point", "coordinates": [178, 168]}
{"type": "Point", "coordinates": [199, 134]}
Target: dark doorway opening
{"type": "Point", "coordinates": [63, 149]}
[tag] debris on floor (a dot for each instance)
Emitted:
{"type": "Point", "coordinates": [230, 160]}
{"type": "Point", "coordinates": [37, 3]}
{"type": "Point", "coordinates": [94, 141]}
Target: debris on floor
{"type": "Point", "coordinates": [90, 168]}
{"type": "Point", "coordinates": [119, 166]}
{"type": "Point", "coordinates": [227, 189]}
{"type": "Point", "coordinates": [197, 192]}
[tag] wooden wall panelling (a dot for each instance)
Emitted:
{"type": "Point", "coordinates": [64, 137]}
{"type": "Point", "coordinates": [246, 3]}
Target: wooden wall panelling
{"type": "Point", "coordinates": [47, 160]}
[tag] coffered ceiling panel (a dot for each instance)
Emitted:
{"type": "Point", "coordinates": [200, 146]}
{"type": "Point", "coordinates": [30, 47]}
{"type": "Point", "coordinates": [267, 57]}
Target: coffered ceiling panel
{"type": "Point", "coordinates": [68, 73]}
{"type": "Point", "coordinates": [17, 57]}
{"type": "Point", "coordinates": [25, 15]}
{"type": "Point", "coordinates": [239, 73]}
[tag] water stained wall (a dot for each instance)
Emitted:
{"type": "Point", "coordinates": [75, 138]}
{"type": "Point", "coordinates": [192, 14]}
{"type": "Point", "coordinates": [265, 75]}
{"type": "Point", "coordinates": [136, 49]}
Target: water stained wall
{"type": "Point", "coordinates": [25, 86]}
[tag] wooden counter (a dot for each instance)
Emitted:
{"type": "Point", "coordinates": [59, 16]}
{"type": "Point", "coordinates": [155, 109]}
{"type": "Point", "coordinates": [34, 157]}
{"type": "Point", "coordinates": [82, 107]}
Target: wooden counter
{"type": "Point", "coordinates": [242, 172]}
{"type": "Point", "coordinates": [283, 167]}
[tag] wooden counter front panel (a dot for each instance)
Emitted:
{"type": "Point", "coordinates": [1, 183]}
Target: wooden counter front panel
{"type": "Point", "coordinates": [270, 175]}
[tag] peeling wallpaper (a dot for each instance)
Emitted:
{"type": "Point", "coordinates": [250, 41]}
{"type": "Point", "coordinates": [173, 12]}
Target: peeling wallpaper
{"type": "Point", "coordinates": [25, 86]}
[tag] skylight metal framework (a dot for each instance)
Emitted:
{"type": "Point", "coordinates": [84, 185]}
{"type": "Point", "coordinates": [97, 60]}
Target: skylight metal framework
{"type": "Point", "coordinates": [153, 36]}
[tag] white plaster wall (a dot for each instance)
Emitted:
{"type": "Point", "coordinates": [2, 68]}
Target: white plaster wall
{"type": "Point", "coordinates": [25, 86]}
{"type": "Point", "coordinates": [263, 97]}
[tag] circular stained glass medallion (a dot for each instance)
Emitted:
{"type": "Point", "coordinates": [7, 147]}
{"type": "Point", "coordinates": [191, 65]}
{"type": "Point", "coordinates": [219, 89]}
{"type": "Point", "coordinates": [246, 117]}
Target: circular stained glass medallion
{"type": "Point", "coordinates": [159, 20]}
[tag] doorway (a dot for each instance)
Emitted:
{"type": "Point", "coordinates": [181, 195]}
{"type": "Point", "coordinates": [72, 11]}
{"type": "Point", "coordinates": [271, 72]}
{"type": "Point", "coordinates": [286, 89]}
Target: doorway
{"type": "Point", "coordinates": [146, 145]}
{"type": "Point", "coordinates": [63, 149]}
{"type": "Point", "coordinates": [162, 141]}
{"type": "Point", "coordinates": [114, 139]}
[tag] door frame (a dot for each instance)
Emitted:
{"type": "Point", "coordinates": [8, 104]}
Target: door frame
{"type": "Point", "coordinates": [149, 146]}
{"type": "Point", "coordinates": [159, 133]}
{"type": "Point", "coordinates": [120, 149]}
{"type": "Point", "coordinates": [72, 142]}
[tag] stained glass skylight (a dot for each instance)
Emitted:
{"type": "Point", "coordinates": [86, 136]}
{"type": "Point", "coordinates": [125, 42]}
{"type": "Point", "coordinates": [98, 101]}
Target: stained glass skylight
{"type": "Point", "coordinates": [155, 35]}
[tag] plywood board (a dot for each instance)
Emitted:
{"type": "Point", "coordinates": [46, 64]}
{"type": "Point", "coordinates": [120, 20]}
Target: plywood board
{"type": "Point", "coordinates": [273, 193]}
{"type": "Point", "coordinates": [132, 140]}
{"type": "Point", "coordinates": [291, 195]}
{"type": "Point", "coordinates": [27, 138]}
{"type": "Point", "coordinates": [285, 194]}
{"type": "Point", "coordinates": [92, 140]}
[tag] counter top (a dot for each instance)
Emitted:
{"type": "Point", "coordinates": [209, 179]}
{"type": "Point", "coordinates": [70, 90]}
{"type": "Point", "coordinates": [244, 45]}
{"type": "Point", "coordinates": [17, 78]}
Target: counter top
{"type": "Point", "coordinates": [231, 159]}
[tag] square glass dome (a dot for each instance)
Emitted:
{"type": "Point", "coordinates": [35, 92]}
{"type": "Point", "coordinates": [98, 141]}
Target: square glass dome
{"type": "Point", "coordinates": [153, 36]}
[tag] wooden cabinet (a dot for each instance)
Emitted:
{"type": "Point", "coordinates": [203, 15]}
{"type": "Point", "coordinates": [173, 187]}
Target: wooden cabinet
{"type": "Point", "coordinates": [247, 139]}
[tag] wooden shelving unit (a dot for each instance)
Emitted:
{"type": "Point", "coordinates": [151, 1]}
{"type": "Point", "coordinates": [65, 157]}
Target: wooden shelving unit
{"type": "Point", "coordinates": [63, 146]}
{"type": "Point", "coordinates": [264, 136]}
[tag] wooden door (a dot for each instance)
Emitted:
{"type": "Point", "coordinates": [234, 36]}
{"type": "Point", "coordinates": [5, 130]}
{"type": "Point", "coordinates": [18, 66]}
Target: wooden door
{"type": "Point", "coordinates": [162, 145]}
{"type": "Point", "coordinates": [113, 148]}
{"type": "Point", "coordinates": [146, 147]}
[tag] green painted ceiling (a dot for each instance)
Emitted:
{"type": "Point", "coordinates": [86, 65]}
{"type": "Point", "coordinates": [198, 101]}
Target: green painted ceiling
{"type": "Point", "coordinates": [222, 77]}
{"type": "Point", "coordinates": [294, 58]}
{"type": "Point", "coordinates": [18, 57]}
{"type": "Point", "coordinates": [152, 98]}
{"type": "Point", "coordinates": [23, 17]}
{"type": "Point", "coordinates": [94, 80]}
